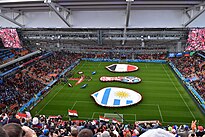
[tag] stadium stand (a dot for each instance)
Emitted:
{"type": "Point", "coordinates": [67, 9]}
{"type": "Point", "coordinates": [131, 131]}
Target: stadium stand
{"type": "Point", "coordinates": [192, 68]}
{"type": "Point", "coordinates": [34, 77]}
{"type": "Point", "coordinates": [7, 55]}
{"type": "Point", "coordinates": [27, 82]}
{"type": "Point", "coordinates": [43, 126]}
{"type": "Point", "coordinates": [39, 53]}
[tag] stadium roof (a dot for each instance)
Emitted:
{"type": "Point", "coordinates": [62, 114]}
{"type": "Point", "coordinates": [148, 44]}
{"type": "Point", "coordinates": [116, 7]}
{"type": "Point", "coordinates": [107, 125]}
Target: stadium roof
{"type": "Point", "coordinates": [40, 5]}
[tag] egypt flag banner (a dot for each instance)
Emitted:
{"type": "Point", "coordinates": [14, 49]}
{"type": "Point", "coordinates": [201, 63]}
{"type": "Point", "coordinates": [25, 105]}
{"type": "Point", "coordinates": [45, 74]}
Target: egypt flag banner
{"type": "Point", "coordinates": [101, 118]}
{"type": "Point", "coordinates": [22, 115]}
{"type": "Point", "coordinates": [73, 113]}
{"type": "Point", "coordinates": [114, 121]}
{"type": "Point", "coordinates": [122, 68]}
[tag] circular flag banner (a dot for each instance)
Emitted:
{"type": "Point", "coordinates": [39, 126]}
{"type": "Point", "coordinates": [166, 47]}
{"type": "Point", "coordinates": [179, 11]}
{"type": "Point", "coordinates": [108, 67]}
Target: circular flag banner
{"type": "Point", "coordinates": [126, 79]}
{"type": "Point", "coordinates": [116, 97]}
{"type": "Point", "coordinates": [122, 68]}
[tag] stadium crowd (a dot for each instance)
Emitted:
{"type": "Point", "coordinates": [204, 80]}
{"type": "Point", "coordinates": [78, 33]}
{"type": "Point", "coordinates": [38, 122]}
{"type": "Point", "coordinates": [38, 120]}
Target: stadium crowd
{"type": "Point", "coordinates": [54, 126]}
{"type": "Point", "coordinates": [10, 38]}
{"type": "Point", "coordinates": [26, 83]}
{"type": "Point", "coordinates": [196, 39]}
{"type": "Point", "coordinates": [192, 68]}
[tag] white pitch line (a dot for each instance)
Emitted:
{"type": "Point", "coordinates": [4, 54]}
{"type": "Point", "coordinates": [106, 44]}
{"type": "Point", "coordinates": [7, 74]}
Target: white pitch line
{"type": "Point", "coordinates": [155, 81]}
{"type": "Point", "coordinates": [51, 99]}
{"type": "Point", "coordinates": [179, 93]}
{"type": "Point", "coordinates": [73, 105]}
{"type": "Point", "coordinates": [146, 65]}
{"type": "Point", "coordinates": [55, 94]}
{"type": "Point", "coordinates": [148, 104]}
{"type": "Point", "coordinates": [160, 113]}
{"type": "Point", "coordinates": [80, 101]}
{"type": "Point", "coordinates": [99, 64]}
{"type": "Point", "coordinates": [95, 113]}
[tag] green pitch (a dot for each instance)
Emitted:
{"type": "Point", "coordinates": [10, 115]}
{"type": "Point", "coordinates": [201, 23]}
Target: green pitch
{"type": "Point", "coordinates": [164, 98]}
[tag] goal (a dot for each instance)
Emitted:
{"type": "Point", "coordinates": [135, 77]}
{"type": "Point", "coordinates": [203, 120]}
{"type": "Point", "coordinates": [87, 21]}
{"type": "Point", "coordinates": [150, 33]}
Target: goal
{"type": "Point", "coordinates": [118, 117]}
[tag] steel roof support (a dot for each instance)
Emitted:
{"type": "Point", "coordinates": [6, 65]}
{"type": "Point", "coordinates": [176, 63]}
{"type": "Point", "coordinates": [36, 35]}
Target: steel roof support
{"type": "Point", "coordinates": [194, 12]}
{"type": "Point", "coordinates": [126, 20]}
{"type": "Point", "coordinates": [56, 8]}
{"type": "Point", "coordinates": [10, 19]}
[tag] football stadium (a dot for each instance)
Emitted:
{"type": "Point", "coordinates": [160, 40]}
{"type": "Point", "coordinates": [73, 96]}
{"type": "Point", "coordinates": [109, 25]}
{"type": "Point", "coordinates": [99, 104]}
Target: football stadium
{"type": "Point", "coordinates": [112, 68]}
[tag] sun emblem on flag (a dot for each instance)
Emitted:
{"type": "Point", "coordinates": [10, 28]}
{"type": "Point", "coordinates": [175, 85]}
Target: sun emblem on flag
{"type": "Point", "coordinates": [121, 94]}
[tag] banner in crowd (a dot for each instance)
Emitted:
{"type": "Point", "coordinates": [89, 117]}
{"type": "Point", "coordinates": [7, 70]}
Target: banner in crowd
{"type": "Point", "coordinates": [195, 94]}
{"type": "Point", "coordinates": [196, 39]}
{"type": "Point", "coordinates": [10, 38]}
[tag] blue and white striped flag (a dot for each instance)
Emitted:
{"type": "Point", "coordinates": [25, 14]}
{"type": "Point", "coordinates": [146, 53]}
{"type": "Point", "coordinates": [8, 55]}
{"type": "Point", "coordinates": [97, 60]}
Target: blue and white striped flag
{"type": "Point", "coordinates": [116, 97]}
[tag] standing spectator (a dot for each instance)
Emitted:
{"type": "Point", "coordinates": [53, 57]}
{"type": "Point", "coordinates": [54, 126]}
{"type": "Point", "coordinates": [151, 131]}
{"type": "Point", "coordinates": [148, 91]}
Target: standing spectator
{"type": "Point", "coordinates": [3, 133]}
{"type": "Point", "coordinates": [85, 133]}
{"type": "Point", "coordinates": [14, 130]}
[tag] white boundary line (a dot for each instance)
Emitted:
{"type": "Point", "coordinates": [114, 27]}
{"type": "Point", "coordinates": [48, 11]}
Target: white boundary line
{"type": "Point", "coordinates": [157, 105]}
{"type": "Point", "coordinates": [99, 64]}
{"type": "Point", "coordinates": [179, 92]}
{"type": "Point", "coordinates": [51, 98]}
{"type": "Point", "coordinates": [96, 113]}
{"type": "Point", "coordinates": [160, 113]}
{"type": "Point", "coordinates": [146, 65]}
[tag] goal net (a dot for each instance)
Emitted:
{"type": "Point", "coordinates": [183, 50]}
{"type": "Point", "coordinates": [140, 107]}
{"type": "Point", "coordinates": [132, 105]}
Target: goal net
{"type": "Point", "coordinates": [118, 117]}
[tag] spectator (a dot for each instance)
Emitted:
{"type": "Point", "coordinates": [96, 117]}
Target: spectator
{"type": "Point", "coordinates": [3, 132]}
{"type": "Point", "coordinates": [85, 133]}
{"type": "Point", "coordinates": [14, 130]}
{"type": "Point", "coordinates": [74, 132]}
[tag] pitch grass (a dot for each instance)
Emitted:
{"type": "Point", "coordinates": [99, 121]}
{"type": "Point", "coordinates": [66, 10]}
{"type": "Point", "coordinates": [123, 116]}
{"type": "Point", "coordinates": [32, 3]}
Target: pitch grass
{"type": "Point", "coordinates": [164, 98]}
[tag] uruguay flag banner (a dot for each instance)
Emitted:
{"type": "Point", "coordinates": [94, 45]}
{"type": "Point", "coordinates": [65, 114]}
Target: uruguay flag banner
{"type": "Point", "coordinates": [122, 68]}
{"type": "Point", "coordinates": [116, 97]}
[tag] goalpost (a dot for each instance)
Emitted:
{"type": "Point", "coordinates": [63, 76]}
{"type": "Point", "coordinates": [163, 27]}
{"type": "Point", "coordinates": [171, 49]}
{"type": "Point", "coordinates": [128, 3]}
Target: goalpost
{"type": "Point", "coordinates": [118, 117]}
